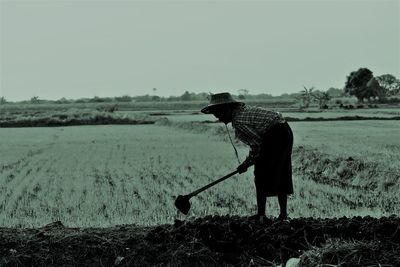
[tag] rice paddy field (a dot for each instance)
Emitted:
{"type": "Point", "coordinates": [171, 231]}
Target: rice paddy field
{"type": "Point", "coordinates": [131, 174]}
{"type": "Point", "coordinates": [194, 115]}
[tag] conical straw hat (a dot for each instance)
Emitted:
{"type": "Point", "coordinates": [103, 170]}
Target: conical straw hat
{"type": "Point", "coordinates": [218, 100]}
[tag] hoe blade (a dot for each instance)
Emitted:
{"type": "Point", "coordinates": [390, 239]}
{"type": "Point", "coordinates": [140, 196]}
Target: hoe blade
{"type": "Point", "coordinates": [182, 204]}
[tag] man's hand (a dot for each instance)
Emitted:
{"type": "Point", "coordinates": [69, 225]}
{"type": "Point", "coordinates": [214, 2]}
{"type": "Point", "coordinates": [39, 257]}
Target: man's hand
{"type": "Point", "coordinates": [242, 168]}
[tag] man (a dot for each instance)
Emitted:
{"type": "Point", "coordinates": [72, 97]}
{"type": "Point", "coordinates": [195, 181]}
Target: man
{"type": "Point", "coordinates": [270, 139]}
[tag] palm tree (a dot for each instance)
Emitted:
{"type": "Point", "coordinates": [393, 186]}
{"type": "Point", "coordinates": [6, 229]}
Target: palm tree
{"type": "Point", "coordinates": [34, 100]}
{"type": "Point", "coordinates": [306, 96]}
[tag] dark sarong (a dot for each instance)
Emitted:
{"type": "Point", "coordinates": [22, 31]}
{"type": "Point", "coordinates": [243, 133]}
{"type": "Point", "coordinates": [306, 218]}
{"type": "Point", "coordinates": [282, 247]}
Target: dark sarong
{"type": "Point", "coordinates": [273, 167]}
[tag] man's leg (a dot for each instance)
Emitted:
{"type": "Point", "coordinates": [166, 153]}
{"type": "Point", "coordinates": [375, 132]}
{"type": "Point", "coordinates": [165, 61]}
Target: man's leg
{"type": "Point", "coordinates": [261, 200]}
{"type": "Point", "coordinates": [282, 199]}
{"type": "Point", "coordinates": [286, 169]}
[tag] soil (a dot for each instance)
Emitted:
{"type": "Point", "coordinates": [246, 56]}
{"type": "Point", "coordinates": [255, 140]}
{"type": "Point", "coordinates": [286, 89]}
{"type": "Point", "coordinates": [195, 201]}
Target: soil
{"type": "Point", "coordinates": [207, 241]}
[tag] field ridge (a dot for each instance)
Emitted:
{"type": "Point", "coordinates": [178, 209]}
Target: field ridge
{"type": "Point", "coordinates": [207, 241]}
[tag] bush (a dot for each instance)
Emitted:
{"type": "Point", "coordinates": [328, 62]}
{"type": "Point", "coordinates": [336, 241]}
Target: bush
{"type": "Point", "coordinates": [390, 100]}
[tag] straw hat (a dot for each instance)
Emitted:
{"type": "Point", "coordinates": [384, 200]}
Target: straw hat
{"type": "Point", "coordinates": [218, 100]}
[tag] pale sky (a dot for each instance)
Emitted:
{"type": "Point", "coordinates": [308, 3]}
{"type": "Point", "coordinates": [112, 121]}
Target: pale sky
{"type": "Point", "coordinates": [75, 49]}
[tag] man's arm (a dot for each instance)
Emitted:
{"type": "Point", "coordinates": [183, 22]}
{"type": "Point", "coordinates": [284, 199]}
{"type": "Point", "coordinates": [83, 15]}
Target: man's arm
{"type": "Point", "coordinates": [250, 137]}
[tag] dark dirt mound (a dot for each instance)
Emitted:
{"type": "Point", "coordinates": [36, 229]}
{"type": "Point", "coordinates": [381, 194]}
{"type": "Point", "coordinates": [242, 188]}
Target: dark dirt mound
{"type": "Point", "coordinates": [208, 241]}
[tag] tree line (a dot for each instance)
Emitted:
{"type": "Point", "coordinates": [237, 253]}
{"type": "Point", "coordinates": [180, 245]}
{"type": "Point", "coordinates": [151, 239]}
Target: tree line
{"type": "Point", "coordinates": [361, 84]}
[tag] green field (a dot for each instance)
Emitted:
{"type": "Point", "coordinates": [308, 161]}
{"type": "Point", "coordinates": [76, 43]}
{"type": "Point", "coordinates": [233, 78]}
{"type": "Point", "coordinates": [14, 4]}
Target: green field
{"type": "Point", "coordinates": [50, 115]}
{"type": "Point", "coordinates": [108, 175]}
{"type": "Point", "coordinates": [195, 115]}
{"type": "Point", "coordinates": [103, 175]}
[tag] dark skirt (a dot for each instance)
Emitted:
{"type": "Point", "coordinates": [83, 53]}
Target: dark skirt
{"type": "Point", "coordinates": [273, 167]}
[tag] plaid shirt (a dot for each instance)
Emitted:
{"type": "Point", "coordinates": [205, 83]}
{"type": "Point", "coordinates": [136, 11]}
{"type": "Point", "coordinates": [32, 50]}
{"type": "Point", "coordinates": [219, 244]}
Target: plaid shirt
{"type": "Point", "coordinates": [250, 124]}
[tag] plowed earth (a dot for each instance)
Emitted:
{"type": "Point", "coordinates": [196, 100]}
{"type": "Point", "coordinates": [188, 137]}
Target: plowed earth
{"type": "Point", "coordinates": [208, 241]}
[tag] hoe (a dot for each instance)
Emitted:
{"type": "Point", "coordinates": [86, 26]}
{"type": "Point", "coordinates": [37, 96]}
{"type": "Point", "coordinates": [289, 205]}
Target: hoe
{"type": "Point", "coordinates": [182, 202]}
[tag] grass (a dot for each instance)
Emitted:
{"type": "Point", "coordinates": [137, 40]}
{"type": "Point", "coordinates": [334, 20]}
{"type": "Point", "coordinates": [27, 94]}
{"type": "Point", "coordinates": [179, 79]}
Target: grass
{"type": "Point", "coordinates": [70, 117]}
{"type": "Point", "coordinates": [108, 175]}
{"type": "Point", "coordinates": [337, 252]}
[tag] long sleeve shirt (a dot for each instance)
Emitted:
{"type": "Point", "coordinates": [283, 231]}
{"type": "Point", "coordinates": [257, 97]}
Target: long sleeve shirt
{"type": "Point", "coordinates": [250, 124]}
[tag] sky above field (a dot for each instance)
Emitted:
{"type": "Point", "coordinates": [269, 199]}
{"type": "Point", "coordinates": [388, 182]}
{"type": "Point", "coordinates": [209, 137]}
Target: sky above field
{"type": "Point", "coordinates": [75, 49]}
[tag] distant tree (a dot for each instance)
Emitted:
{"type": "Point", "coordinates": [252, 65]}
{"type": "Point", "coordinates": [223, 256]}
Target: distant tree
{"type": "Point", "coordinates": [286, 95]}
{"type": "Point", "coordinates": [203, 96]}
{"type": "Point", "coordinates": [3, 100]}
{"type": "Point", "coordinates": [62, 100]}
{"type": "Point", "coordinates": [264, 96]}
{"type": "Point", "coordinates": [322, 98]}
{"type": "Point", "coordinates": [173, 98]}
{"type": "Point", "coordinates": [124, 98]}
{"type": "Point", "coordinates": [363, 85]}
{"type": "Point", "coordinates": [82, 100]}
{"type": "Point", "coordinates": [335, 92]}
{"type": "Point", "coordinates": [243, 93]}
{"type": "Point", "coordinates": [97, 99]}
{"type": "Point", "coordinates": [359, 78]}
{"type": "Point", "coordinates": [373, 89]}
{"type": "Point", "coordinates": [142, 98]}
{"type": "Point", "coordinates": [34, 100]}
{"type": "Point", "coordinates": [186, 96]}
{"type": "Point", "coordinates": [156, 98]}
{"type": "Point", "coordinates": [390, 83]}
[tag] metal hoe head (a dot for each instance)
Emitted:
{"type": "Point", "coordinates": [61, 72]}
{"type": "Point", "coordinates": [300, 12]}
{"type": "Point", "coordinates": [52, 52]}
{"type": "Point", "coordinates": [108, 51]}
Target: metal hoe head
{"type": "Point", "coordinates": [182, 204]}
